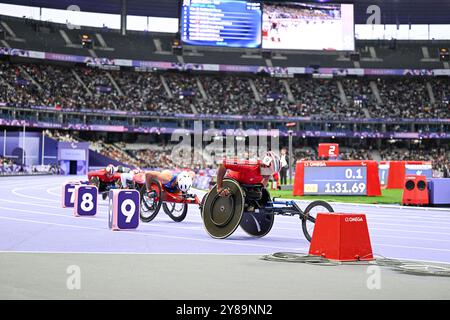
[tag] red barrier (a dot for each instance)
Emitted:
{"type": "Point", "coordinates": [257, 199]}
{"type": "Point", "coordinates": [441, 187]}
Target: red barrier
{"type": "Point", "coordinates": [342, 237]}
{"type": "Point", "coordinates": [373, 180]}
{"type": "Point", "coordinates": [396, 177]}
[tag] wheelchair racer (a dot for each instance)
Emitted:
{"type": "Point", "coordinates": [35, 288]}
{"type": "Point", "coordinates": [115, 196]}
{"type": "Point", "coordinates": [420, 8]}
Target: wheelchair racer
{"type": "Point", "coordinates": [172, 181]}
{"type": "Point", "coordinates": [248, 171]}
{"type": "Point", "coordinates": [126, 174]}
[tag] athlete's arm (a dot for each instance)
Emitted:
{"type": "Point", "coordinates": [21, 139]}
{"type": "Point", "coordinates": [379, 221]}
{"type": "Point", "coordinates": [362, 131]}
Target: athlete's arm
{"type": "Point", "coordinates": [265, 181]}
{"type": "Point", "coordinates": [221, 171]}
{"type": "Point", "coordinates": [163, 177]}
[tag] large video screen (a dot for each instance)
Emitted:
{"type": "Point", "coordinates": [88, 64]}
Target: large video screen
{"type": "Point", "coordinates": [225, 23]}
{"type": "Point", "coordinates": [304, 26]}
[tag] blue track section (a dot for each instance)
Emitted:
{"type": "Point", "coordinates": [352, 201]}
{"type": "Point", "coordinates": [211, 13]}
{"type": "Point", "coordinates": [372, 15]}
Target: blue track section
{"type": "Point", "coordinates": [32, 219]}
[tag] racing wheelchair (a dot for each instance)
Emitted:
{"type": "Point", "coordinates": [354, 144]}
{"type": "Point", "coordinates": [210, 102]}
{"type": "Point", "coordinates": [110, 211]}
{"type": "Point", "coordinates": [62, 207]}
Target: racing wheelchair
{"type": "Point", "coordinates": [98, 178]}
{"type": "Point", "coordinates": [174, 204]}
{"type": "Point", "coordinates": [251, 207]}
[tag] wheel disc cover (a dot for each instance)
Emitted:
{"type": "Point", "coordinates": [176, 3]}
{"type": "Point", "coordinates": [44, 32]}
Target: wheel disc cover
{"type": "Point", "coordinates": [222, 215]}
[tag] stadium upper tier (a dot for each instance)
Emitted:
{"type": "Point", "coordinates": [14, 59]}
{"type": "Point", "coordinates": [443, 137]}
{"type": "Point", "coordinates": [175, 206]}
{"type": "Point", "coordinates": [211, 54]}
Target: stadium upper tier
{"type": "Point", "coordinates": [166, 93]}
{"type": "Point", "coordinates": [58, 38]}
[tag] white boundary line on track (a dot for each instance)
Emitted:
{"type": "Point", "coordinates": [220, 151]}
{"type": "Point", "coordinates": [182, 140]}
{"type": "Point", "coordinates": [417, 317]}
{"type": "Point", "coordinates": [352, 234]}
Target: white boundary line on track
{"type": "Point", "coordinates": [199, 221]}
{"type": "Point", "coordinates": [195, 239]}
{"type": "Point", "coordinates": [390, 206]}
{"type": "Point", "coordinates": [197, 253]}
{"type": "Point", "coordinates": [399, 207]}
{"type": "Point", "coordinates": [14, 191]}
{"type": "Point", "coordinates": [373, 215]}
{"type": "Point", "coordinates": [278, 222]}
{"type": "Point", "coordinates": [232, 242]}
{"type": "Point", "coordinates": [34, 186]}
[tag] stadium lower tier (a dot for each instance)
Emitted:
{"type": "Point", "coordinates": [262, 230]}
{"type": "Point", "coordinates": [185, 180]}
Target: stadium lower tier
{"type": "Point", "coordinates": [163, 93]}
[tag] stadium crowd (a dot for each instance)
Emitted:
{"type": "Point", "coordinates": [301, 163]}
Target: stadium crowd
{"type": "Point", "coordinates": [166, 156]}
{"type": "Point", "coordinates": [7, 166]}
{"type": "Point", "coordinates": [171, 93]}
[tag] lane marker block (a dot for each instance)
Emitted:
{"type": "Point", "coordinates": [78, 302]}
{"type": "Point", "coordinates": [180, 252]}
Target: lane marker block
{"type": "Point", "coordinates": [86, 203]}
{"type": "Point", "coordinates": [123, 209]}
{"type": "Point", "coordinates": [342, 237]}
{"type": "Point", "coordinates": [68, 194]}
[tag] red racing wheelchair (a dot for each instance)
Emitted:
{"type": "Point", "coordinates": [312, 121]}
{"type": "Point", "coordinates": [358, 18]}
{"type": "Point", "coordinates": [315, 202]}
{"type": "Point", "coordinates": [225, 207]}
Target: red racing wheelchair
{"type": "Point", "coordinates": [251, 208]}
{"type": "Point", "coordinates": [174, 204]}
{"type": "Point", "coordinates": [103, 181]}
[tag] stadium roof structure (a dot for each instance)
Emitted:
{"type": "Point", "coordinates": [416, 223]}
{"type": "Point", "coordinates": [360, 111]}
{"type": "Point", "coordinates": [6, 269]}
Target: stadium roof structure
{"type": "Point", "coordinates": [392, 12]}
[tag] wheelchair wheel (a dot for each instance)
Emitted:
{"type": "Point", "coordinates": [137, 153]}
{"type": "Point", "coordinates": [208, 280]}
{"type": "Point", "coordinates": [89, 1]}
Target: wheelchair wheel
{"type": "Point", "coordinates": [176, 211]}
{"type": "Point", "coordinates": [150, 201]}
{"type": "Point", "coordinates": [311, 212]}
{"type": "Point", "coordinates": [222, 214]}
{"type": "Point", "coordinates": [258, 224]}
{"type": "Point", "coordinates": [201, 205]}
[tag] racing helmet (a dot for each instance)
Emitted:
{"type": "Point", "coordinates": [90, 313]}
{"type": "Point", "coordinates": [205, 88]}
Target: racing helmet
{"type": "Point", "coordinates": [110, 169]}
{"type": "Point", "coordinates": [184, 181]}
{"type": "Point", "coordinates": [272, 160]}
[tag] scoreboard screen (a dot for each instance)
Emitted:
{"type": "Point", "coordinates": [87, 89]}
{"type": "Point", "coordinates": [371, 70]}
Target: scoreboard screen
{"type": "Point", "coordinates": [340, 178]}
{"type": "Point", "coordinates": [223, 23]}
{"type": "Point", "coordinates": [308, 26]}
{"type": "Point", "coordinates": [419, 169]}
{"type": "Point", "coordinates": [335, 181]}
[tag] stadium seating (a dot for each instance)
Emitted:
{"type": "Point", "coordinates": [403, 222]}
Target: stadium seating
{"type": "Point", "coordinates": [74, 87]}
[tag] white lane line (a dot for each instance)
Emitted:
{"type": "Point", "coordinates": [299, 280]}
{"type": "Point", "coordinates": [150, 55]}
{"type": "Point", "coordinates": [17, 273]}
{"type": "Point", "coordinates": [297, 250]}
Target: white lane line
{"type": "Point", "coordinates": [409, 238]}
{"type": "Point", "coordinates": [53, 214]}
{"type": "Point", "coordinates": [199, 221]}
{"type": "Point", "coordinates": [389, 206]}
{"type": "Point", "coordinates": [194, 253]}
{"type": "Point", "coordinates": [53, 193]}
{"type": "Point", "coordinates": [14, 191]}
{"type": "Point", "coordinates": [381, 229]}
{"type": "Point", "coordinates": [420, 222]}
{"type": "Point", "coordinates": [407, 231]}
{"type": "Point", "coordinates": [6, 185]}
{"type": "Point", "coordinates": [370, 224]}
{"type": "Point", "coordinates": [408, 225]}
{"type": "Point", "coordinates": [233, 242]}
{"type": "Point", "coordinates": [391, 216]}
{"type": "Point", "coordinates": [34, 204]}
{"type": "Point", "coordinates": [228, 242]}
{"type": "Point", "coordinates": [172, 225]}
{"type": "Point", "coordinates": [396, 214]}
{"type": "Point", "coordinates": [138, 253]}
{"type": "Point", "coordinates": [278, 221]}
{"type": "Point", "coordinates": [408, 247]}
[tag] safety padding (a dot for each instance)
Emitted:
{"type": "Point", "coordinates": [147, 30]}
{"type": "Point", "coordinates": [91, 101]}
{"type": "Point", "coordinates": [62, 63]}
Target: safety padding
{"type": "Point", "coordinates": [342, 237]}
{"type": "Point", "coordinates": [222, 214]}
{"type": "Point", "coordinates": [85, 203]}
{"type": "Point", "coordinates": [439, 191]}
{"type": "Point", "coordinates": [123, 209]}
{"type": "Point", "coordinates": [415, 190]}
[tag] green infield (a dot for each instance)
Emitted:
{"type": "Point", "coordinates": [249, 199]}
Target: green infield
{"type": "Point", "coordinates": [389, 196]}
